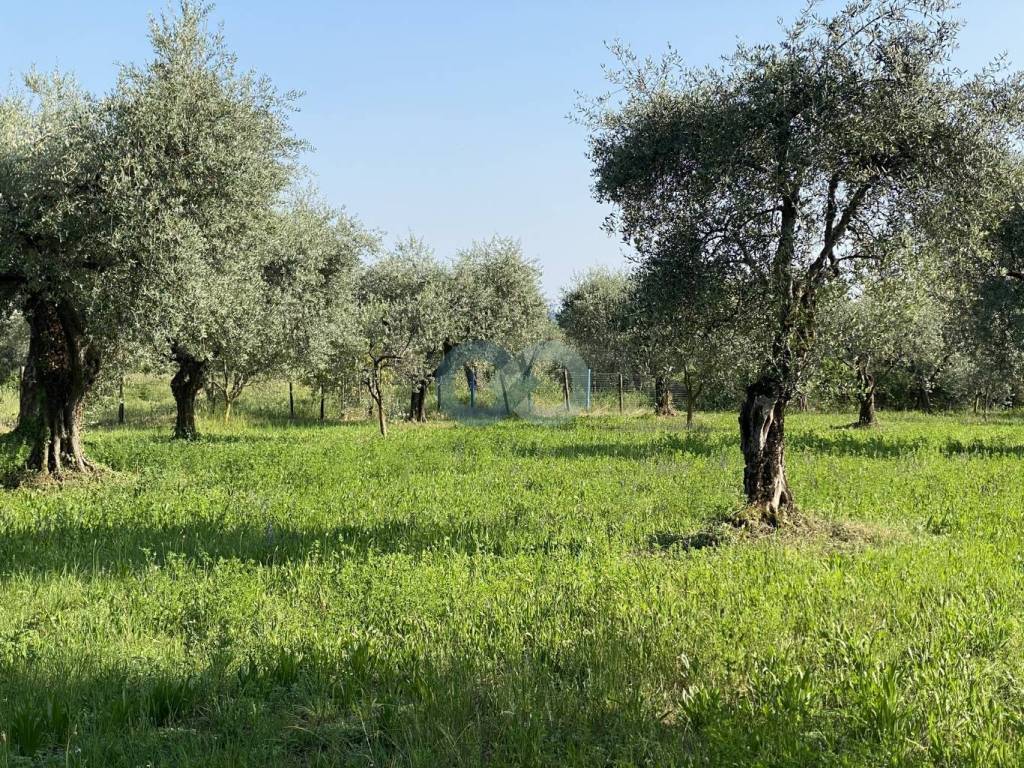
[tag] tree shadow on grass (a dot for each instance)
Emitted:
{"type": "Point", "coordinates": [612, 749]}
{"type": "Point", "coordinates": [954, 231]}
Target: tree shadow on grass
{"type": "Point", "coordinates": [695, 443]}
{"type": "Point", "coordinates": [316, 702]}
{"type": "Point", "coordinates": [847, 442]}
{"type": "Point", "coordinates": [109, 548]}
{"type": "Point", "coordinates": [955, 448]}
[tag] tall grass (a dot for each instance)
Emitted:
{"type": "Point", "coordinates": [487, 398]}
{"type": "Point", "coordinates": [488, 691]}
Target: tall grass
{"type": "Point", "coordinates": [512, 594]}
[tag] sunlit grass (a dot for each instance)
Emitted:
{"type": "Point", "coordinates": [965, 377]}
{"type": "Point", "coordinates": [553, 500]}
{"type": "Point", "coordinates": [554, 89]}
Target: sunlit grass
{"type": "Point", "coordinates": [511, 594]}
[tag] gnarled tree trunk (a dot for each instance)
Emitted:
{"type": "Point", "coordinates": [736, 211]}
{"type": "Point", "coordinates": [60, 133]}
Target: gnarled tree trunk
{"type": "Point", "coordinates": [865, 396]}
{"type": "Point", "coordinates": [762, 439]}
{"type": "Point", "coordinates": [64, 366]}
{"type": "Point", "coordinates": [185, 386]}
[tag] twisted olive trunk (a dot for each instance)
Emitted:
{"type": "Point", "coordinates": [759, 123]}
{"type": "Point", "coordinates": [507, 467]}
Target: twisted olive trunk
{"type": "Point", "coordinates": [865, 396]}
{"type": "Point", "coordinates": [185, 386]}
{"type": "Point", "coordinates": [762, 440]}
{"type": "Point", "coordinates": [64, 366]}
{"type": "Point", "coordinates": [663, 397]}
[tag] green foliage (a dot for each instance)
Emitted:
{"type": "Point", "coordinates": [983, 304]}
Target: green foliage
{"type": "Point", "coordinates": [403, 303]}
{"type": "Point", "coordinates": [594, 314]}
{"type": "Point", "coordinates": [515, 594]}
{"type": "Point", "coordinates": [774, 175]}
{"type": "Point", "coordinates": [496, 296]}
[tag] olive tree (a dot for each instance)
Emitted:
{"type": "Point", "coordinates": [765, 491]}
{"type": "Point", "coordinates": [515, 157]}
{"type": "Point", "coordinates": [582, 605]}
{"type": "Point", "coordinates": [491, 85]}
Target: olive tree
{"type": "Point", "coordinates": [686, 326]}
{"type": "Point", "coordinates": [594, 314]}
{"type": "Point", "coordinates": [889, 320]}
{"type": "Point", "coordinates": [321, 252]}
{"type": "Point", "coordinates": [402, 314]}
{"type": "Point", "coordinates": [788, 163]}
{"type": "Point", "coordinates": [494, 295]}
{"type": "Point", "coordinates": [62, 261]}
{"type": "Point", "coordinates": [990, 308]}
{"type": "Point", "coordinates": [206, 152]}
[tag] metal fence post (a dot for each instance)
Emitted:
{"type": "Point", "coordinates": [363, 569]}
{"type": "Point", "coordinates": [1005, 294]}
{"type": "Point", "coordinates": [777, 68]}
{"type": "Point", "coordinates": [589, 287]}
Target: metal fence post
{"type": "Point", "coordinates": [590, 376]}
{"type": "Point", "coordinates": [620, 395]}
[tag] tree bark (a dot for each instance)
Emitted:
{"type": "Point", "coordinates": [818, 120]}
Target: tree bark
{"type": "Point", "coordinates": [414, 396]}
{"type": "Point", "coordinates": [382, 420]}
{"type": "Point", "coordinates": [64, 367]}
{"type": "Point", "coordinates": [762, 440]}
{"type": "Point", "coordinates": [375, 388]}
{"type": "Point", "coordinates": [866, 396]}
{"type": "Point", "coordinates": [421, 401]}
{"type": "Point", "coordinates": [418, 401]}
{"type": "Point", "coordinates": [185, 387]}
{"type": "Point", "coordinates": [28, 398]}
{"type": "Point", "coordinates": [663, 397]}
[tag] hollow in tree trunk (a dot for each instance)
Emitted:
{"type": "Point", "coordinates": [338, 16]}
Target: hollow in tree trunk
{"type": "Point", "coordinates": [185, 387]}
{"type": "Point", "coordinates": [762, 439]}
{"type": "Point", "coordinates": [64, 367]}
{"type": "Point", "coordinates": [663, 397]}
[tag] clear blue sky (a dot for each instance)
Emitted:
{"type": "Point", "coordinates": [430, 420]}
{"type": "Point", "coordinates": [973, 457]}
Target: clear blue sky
{"type": "Point", "coordinates": [447, 118]}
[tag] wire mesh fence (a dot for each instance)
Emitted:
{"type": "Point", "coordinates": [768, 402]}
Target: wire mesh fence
{"type": "Point", "coordinates": [550, 393]}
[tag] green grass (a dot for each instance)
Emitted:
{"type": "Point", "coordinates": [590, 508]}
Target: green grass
{"type": "Point", "coordinates": [510, 595]}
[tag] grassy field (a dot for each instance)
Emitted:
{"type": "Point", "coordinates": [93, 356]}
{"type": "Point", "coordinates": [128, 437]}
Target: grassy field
{"type": "Point", "coordinates": [517, 595]}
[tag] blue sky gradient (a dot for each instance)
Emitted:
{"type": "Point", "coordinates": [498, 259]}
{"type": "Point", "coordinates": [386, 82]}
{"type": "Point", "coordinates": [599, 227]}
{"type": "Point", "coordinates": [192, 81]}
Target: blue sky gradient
{"type": "Point", "coordinates": [447, 119]}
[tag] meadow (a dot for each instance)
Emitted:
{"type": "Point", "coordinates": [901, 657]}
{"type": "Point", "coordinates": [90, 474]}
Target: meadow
{"type": "Point", "coordinates": [513, 594]}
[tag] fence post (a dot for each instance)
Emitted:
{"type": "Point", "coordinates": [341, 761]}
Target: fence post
{"type": "Point", "coordinates": [620, 395]}
{"type": "Point", "coordinates": [437, 385]}
{"type": "Point", "coordinates": [565, 387]}
{"type": "Point", "coordinates": [120, 401]}
{"type": "Point", "coordinates": [291, 402]}
{"type": "Point", "coordinates": [504, 393]}
{"type": "Point", "coordinates": [321, 403]}
{"type": "Point", "coordinates": [590, 376]}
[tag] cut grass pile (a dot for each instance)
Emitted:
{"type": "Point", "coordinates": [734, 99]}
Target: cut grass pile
{"type": "Point", "coordinates": [517, 595]}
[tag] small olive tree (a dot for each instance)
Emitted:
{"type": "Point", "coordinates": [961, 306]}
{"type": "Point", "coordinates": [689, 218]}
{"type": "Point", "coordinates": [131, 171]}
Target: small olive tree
{"type": "Point", "coordinates": [594, 314]}
{"type": "Point", "coordinates": [402, 315]}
